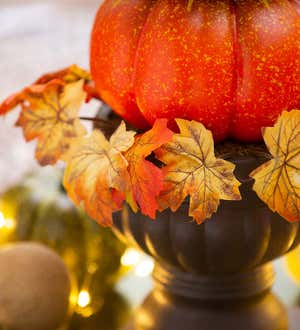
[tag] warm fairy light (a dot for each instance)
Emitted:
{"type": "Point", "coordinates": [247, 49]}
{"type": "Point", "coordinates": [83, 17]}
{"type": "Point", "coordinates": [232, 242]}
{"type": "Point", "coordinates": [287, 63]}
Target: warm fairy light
{"type": "Point", "coordinates": [73, 299]}
{"type": "Point", "coordinates": [141, 264]}
{"type": "Point", "coordinates": [6, 223]}
{"type": "Point", "coordinates": [84, 299]}
{"type": "Point", "coordinates": [131, 257]}
{"type": "Point", "coordinates": [10, 224]}
{"type": "Point", "coordinates": [144, 268]}
{"type": "Point", "coordinates": [2, 221]}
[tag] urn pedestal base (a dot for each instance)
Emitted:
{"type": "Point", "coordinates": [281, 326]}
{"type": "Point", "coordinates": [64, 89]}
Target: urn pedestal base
{"type": "Point", "coordinates": [183, 301]}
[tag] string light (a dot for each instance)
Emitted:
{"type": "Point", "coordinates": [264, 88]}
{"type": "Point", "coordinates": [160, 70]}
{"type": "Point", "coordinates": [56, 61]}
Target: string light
{"type": "Point", "coordinates": [131, 257]}
{"type": "Point", "coordinates": [144, 268]}
{"type": "Point", "coordinates": [2, 221]}
{"type": "Point", "coordinates": [6, 223]}
{"type": "Point", "coordinates": [73, 299]}
{"type": "Point", "coordinates": [141, 264]}
{"type": "Point", "coordinates": [84, 299]}
{"type": "Point", "coordinates": [7, 226]}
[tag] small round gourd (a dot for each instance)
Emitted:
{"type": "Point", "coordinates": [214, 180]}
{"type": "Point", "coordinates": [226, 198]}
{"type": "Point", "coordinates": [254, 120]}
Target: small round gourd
{"type": "Point", "coordinates": [34, 286]}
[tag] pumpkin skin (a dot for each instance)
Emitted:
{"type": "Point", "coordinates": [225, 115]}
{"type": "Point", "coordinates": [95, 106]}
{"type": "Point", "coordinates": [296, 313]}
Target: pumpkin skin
{"type": "Point", "coordinates": [232, 65]}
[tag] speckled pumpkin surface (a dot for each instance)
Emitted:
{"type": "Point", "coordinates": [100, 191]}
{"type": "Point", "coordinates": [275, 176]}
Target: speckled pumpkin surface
{"type": "Point", "coordinates": [233, 65]}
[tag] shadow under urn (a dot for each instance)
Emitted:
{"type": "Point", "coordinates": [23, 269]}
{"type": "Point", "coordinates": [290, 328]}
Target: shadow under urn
{"type": "Point", "coordinates": [217, 275]}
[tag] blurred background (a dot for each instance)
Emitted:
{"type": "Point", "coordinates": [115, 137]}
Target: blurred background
{"type": "Point", "coordinates": [38, 36]}
{"type": "Point", "coordinates": [108, 279]}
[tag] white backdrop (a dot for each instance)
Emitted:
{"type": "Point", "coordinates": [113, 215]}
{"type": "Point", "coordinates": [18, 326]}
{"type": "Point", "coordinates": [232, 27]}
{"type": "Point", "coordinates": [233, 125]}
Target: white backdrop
{"type": "Point", "coordinates": [36, 36]}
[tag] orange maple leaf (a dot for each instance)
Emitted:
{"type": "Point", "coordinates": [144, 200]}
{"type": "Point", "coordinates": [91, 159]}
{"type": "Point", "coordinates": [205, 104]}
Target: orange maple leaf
{"type": "Point", "coordinates": [146, 178]}
{"type": "Point", "coordinates": [277, 182]}
{"type": "Point", "coordinates": [50, 114]}
{"type": "Point", "coordinates": [62, 77]}
{"type": "Point", "coordinates": [193, 170]}
{"type": "Point", "coordinates": [95, 167]}
{"type": "Point", "coordinates": [70, 74]}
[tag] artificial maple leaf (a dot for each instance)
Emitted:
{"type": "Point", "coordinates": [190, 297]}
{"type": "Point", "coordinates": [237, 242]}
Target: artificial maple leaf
{"type": "Point", "coordinates": [51, 115]}
{"type": "Point", "coordinates": [70, 74]}
{"type": "Point", "coordinates": [95, 168]}
{"type": "Point", "coordinates": [277, 182]}
{"type": "Point", "coordinates": [63, 77]}
{"type": "Point", "coordinates": [146, 178]}
{"type": "Point", "coordinates": [192, 169]}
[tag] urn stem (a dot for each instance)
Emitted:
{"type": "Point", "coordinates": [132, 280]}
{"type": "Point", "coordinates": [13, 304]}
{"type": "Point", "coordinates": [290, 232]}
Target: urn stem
{"type": "Point", "coordinates": [214, 287]}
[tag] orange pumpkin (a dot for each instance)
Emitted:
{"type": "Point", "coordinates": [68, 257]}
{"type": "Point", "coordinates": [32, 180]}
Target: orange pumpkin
{"type": "Point", "coordinates": [233, 65]}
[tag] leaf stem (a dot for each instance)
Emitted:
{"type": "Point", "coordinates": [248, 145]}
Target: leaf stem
{"type": "Point", "coordinates": [97, 120]}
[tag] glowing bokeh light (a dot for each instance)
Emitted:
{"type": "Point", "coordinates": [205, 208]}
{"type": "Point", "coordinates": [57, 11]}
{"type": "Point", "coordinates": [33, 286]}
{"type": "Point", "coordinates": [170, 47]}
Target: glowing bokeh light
{"type": "Point", "coordinates": [144, 268]}
{"type": "Point", "coordinates": [2, 221]}
{"type": "Point", "coordinates": [84, 299]}
{"type": "Point", "coordinates": [6, 223]}
{"type": "Point", "coordinates": [131, 257]}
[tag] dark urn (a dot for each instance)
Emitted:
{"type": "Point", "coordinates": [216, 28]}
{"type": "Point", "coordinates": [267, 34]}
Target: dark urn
{"type": "Point", "coordinates": [217, 275]}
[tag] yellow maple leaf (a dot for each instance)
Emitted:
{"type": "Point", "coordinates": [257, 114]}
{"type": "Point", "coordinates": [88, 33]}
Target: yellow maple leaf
{"type": "Point", "coordinates": [96, 166]}
{"type": "Point", "coordinates": [193, 170]}
{"type": "Point", "coordinates": [51, 116]}
{"type": "Point", "coordinates": [277, 182]}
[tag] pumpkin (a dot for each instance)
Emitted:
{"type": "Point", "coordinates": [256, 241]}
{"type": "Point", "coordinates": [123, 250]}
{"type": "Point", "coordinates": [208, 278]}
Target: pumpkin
{"type": "Point", "coordinates": [43, 213]}
{"type": "Point", "coordinates": [35, 287]}
{"type": "Point", "coordinates": [232, 65]}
